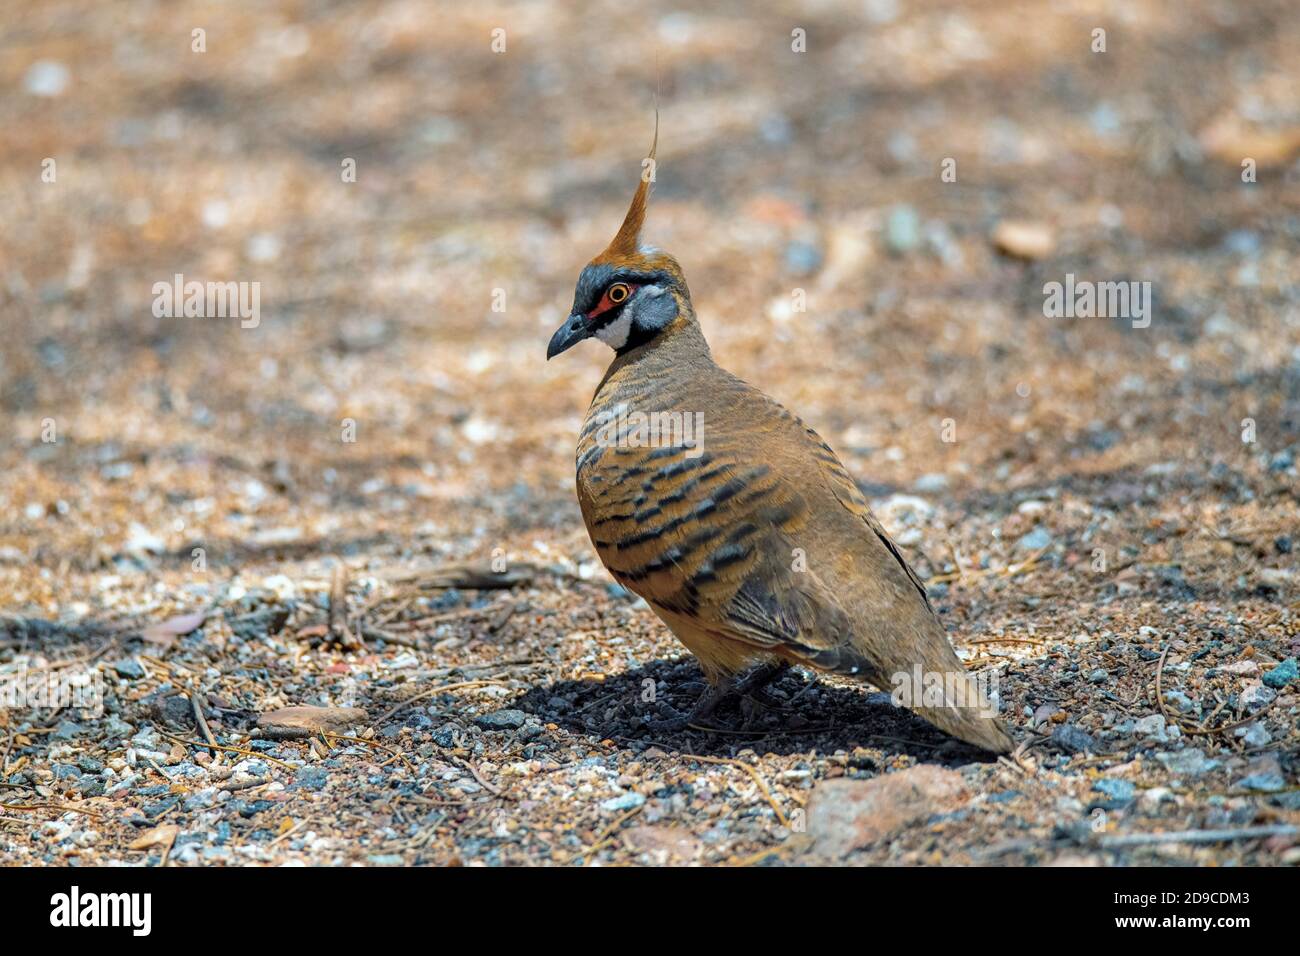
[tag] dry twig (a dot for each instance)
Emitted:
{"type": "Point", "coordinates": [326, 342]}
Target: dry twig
{"type": "Point", "coordinates": [233, 750]}
{"type": "Point", "coordinates": [731, 762]}
{"type": "Point", "coordinates": [424, 694]}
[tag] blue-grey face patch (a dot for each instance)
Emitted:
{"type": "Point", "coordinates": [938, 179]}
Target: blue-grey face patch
{"type": "Point", "coordinates": [591, 287]}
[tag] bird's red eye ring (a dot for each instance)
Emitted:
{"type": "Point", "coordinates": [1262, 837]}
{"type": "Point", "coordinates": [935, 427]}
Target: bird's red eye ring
{"type": "Point", "coordinates": [618, 292]}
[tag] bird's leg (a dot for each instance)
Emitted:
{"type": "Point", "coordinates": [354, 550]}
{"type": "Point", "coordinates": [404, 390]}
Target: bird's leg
{"type": "Point", "coordinates": [802, 691]}
{"type": "Point", "coordinates": [759, 677]}
{"type": "Point", "coordinates": [736, 685]}
{"type": "Point", "coordinates": [752, 689]}
{"type": "Point", "coordinates": [704, 707]}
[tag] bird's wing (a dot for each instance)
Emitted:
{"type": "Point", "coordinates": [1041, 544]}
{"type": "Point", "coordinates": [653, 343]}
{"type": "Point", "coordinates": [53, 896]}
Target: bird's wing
{"type": "Point", "coordinates": [846, 492]}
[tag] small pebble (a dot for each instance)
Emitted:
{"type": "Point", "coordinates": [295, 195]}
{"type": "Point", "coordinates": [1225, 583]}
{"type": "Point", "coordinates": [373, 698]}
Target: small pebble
{"type": "Point", "coordinates": [1116, 789]}
{"type": "Point", "coordinates": [1035, 540]}
{"type": "Point", "coordinates": [1282, 675]}
{"type": "Point", "coordinates": [501, 720]}
{"type": "Point", "coordinates": [623, 802]}
{"type": "Point", "coordinates": [1190, 762]}
{"type": "Point", "coordinates": [47, 78]}
{"type": "Point", "coordinates": [129, 668]}
{"type": "Point", "coordinates": [1073, 740]}
{"type": "Point", "coordinates": [902, 230]}
{"type": "Point", "coordinates": [931, 483]}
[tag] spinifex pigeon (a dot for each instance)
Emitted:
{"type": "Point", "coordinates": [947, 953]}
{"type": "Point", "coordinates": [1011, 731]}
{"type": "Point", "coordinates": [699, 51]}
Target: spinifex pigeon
{"type": "Point", "coordinates": [732, 518]}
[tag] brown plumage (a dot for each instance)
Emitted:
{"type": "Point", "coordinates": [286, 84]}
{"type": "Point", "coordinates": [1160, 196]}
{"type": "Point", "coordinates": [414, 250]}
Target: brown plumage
{"type": "Point", "coordinates": [748, 539]}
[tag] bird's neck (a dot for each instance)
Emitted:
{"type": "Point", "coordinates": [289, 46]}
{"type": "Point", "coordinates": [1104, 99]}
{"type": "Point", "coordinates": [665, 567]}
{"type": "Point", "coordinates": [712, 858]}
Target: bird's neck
{"type": "Point", "coordinates": [679, 343]}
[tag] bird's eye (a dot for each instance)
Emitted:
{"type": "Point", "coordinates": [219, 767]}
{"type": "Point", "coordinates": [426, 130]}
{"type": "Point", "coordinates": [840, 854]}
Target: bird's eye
{"type": "Point", "coordinates": [618, 292]}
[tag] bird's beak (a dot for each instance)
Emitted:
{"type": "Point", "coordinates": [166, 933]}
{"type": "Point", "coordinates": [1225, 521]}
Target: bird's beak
{"type": "Point", "coordinates": [573, 331]}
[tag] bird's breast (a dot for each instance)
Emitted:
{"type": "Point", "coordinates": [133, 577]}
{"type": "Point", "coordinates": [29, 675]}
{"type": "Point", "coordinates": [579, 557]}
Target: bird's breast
{"type": "Point", "coordinates": [675, 497]}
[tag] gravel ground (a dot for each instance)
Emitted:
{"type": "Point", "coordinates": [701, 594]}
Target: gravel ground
{"type": "Point", "coordinates": [364, 505]}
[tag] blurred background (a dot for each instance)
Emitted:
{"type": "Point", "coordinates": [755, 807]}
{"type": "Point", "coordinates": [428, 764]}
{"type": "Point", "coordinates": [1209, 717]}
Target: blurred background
{"type": "Point", "coordinates": [480, 169]}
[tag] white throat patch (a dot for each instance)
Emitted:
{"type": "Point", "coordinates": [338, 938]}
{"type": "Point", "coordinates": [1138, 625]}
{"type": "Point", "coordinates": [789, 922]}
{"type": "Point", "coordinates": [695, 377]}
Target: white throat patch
{"type": "Point", "coordinates": [615, 335]}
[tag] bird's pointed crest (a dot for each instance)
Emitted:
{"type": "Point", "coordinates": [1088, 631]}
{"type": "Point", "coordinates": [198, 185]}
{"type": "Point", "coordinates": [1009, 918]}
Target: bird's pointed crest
{"type": "Point", "coordinates": [626, 244]}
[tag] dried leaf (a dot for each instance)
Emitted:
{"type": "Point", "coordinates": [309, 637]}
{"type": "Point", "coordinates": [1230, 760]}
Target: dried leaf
{"type": "Point", "coordinates": [1024, 240]}
{"type": "Point", "coordinates": [166, 632]}
{"type": "Point", "coordinates": [290, 722]}
{"type": "Point", "coordinates": [1230, 138]}
{"type": "Point", "coordinates": [164, 835]}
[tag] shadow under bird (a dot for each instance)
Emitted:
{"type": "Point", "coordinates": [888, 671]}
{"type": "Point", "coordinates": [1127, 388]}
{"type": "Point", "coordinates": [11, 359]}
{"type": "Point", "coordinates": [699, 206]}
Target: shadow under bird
{"type": "Point", "coordinates": [735, 522]}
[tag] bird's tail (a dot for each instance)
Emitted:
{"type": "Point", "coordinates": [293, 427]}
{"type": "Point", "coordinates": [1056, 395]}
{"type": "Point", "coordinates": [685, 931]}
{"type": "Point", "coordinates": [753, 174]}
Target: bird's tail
{"type": "Point", "coordinates": [925, 676]}
{"type": "Point", "coordinates": [971, 724]}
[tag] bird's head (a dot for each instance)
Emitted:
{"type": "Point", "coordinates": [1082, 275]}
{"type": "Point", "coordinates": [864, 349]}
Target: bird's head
{"type": "Point", "coordinates": [630, 293]}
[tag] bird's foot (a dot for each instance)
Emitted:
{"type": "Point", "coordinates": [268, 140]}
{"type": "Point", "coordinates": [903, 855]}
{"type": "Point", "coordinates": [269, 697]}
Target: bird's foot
{"type": "Point", "coordinates": [699, 716]}
{"type": "Point", "coordinates": [740, 686]}
{"type": "Point", "coordinates": [673, 725]}
{"type": "Point", "coordinates": [754, 680]}
{"type": "Point", "coordinates": [757, 705]}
